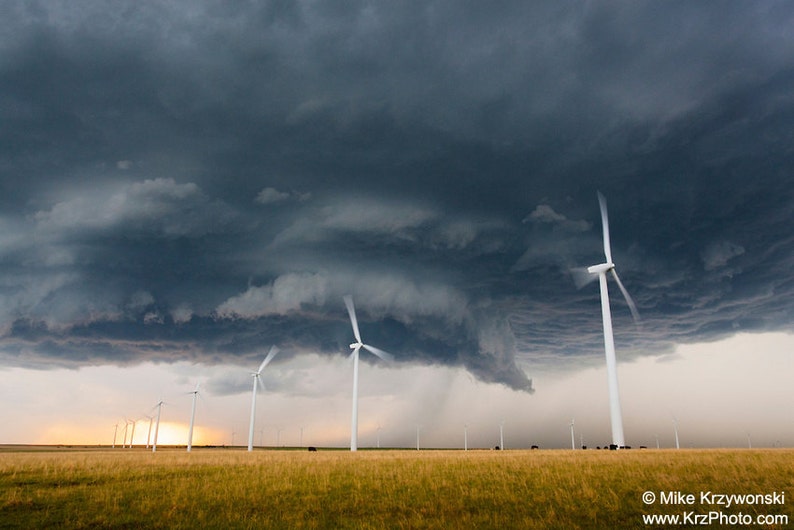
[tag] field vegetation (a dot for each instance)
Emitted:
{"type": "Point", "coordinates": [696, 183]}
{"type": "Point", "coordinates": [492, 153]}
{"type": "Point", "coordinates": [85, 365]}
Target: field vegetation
{"type": "Point", "coordinates": [230, 488]}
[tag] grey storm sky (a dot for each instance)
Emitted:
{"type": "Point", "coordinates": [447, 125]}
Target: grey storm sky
{"type": "Point", "coordinates": [199, 180]}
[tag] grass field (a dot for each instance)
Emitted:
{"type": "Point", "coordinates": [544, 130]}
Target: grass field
{"type": "Point", "coordinates": [225, 488]}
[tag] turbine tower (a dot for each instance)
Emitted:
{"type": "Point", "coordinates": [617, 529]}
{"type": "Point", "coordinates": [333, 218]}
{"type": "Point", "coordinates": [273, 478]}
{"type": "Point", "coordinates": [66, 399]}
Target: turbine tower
{"type": "Point", "coordinates": [258, 381]}
{"type": "Point", "coordinates": [675, 428]}
{"type": "Point", "coordinates": [192, 418]}
{"type": "Point", "coordinates": [573, 440]}
{"type": "Point", "coordinates": [601, 270]}
{"type": "Point", "coordinates": [502, 435]}
{"type": "Point", "coordinates": [356, 347]}
{"type": "Point", "coordinates": [115, 432]}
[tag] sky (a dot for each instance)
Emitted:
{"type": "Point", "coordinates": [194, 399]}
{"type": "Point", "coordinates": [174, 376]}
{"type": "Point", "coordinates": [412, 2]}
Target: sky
{"type": "Point", "coordinates": [184, 184]}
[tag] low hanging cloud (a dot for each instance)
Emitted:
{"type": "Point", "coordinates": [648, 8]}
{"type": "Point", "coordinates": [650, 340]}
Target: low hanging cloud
{"type": "Point", "coordinates": [158, 205]}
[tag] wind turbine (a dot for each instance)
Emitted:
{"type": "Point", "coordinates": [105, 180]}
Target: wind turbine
{"type": "Point", "coordinates": [126, 429]}
{"type": "Point", "coordinates": [465, 436]}
{"type": "Point", "coordinates": [573, 441]}
{"type": "Point", "coordinates": [501, 435]}
{"type": "Point", "coordinates": [356, 347]}
{"type": "Point", "coordinates": [149, 434]}
{"type": "Point", "coordinates": [258, 381]}
{"type": "Point", "coordinates": [115, 432]}
{"type": "Point", "coordinates": [192, 418]}
{"type": "Point", "coordinates": [675, 428]}
{"type": "Point", "coordinates": [132, 433]}
{"type": "Point", "coordinates": [157, 424]}
{"type": "Point", "coordinates": [601, 270]}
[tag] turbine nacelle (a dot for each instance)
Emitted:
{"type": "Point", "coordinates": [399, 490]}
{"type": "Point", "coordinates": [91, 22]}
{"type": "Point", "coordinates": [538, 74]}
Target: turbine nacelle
{"type": "Point", "coordinates": [356, 346]}
{"type": "Point", "coordinates": [601, 269]}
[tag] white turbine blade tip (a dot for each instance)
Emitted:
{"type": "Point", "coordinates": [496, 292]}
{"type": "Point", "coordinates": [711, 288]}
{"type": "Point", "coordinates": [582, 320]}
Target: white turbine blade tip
{"type": "Point", "coordinates": [602, 203]}
{"type": "Point", "coordinates": [351, 310]}
{"type": "Point", "coordinates": [632, 306]}
{"type": "Point", "coordinates": [386, 356]}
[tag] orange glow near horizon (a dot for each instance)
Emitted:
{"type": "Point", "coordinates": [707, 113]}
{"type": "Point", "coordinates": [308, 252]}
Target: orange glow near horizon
{"type": "Point", "coordinates": [170, 433]}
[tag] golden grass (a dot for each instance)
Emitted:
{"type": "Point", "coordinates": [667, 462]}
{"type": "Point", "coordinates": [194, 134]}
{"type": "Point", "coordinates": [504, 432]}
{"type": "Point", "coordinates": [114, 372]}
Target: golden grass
{"type": "Point", "coordinates": [218, 488]}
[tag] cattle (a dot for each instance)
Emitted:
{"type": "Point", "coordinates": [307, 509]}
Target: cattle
{"type": "Point", "coordinates": [312, 449]}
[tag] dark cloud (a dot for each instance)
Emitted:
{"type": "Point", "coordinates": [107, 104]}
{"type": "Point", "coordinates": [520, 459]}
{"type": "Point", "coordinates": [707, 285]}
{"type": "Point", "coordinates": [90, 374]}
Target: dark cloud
{"type": "Point", "coordinates": [198, 181]}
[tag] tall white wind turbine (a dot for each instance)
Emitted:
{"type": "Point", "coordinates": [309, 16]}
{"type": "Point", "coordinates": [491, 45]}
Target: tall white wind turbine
{"type": "Point", "coordinates": [675, 428]}
{"type": "Point", "coordinates": [601, 270]}
{"type": "Point", "coordinates": [356, 347]}
{"type": "Point", "coordinates": [192, 419]}
{"type": "Point", "coordinates": [115, 432]}
{"type": "Point", "coordinates": [573, 440]}
{"type": "Point", "coordinates": [258, 382]}
{"type": "Point", "coordinates": [502, 435]}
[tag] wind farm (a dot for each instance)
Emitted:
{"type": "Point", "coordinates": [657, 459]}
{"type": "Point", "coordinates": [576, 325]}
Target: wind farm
{"type": "Point", "coordinates": [309, 264]}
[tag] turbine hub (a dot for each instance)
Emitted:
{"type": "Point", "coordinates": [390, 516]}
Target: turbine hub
{"type": "Point", "coordinates": [602, 268]}
{"type": "Point", "coordinates": [356, 345]}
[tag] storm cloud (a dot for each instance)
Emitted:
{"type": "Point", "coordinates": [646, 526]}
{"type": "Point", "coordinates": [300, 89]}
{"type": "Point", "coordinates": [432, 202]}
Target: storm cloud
{"type": "Point", "coordinates": [198, 180]}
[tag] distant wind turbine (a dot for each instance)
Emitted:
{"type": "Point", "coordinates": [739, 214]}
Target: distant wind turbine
{"type": "Point", "coordinates": [115, 432]}
{"type": "Point", "coordinates": [126, 429]}
{"type": "Point", "coordinates": [675, 428]}
{"type": "Point", "coordinates": [192, 418]}
{"type": "Point", "coordinates": [417, 435]}
{"type": "Point", "coordinates": [149, 434]}
{"type": "Point", "coordinates": [501, 435]}
{"type": "Point", "coordinates": [157, 425]}
{"type": "Point", "coordinates": [749, 443]}
{"type": "Point", "coordinates": [601, 270]}
{"type": "Point", "coordinates": [132, 433]}
{"type": "Point", "coordinates": [465, 436]}
{"type": "Point", "coordinates": [573, 440]}
{"type": "Point", "coordinates": [258, 382]}
{"type": "Point", "coordinates": [356, 347]}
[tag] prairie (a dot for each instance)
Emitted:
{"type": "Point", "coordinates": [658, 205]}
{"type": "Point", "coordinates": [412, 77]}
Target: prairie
{"type": "Point", "coordinates": [231, 488]}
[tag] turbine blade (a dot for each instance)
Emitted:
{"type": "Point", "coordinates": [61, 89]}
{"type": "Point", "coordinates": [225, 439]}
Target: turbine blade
{"type": "Point", "coordinates": [581, 277]}
{"type": "Point", "coordinates": [272, 353]}
{"type": "Point", "coordinates": [261, 383]}
{"type": "Point", "coordinates": [602, 202]}
{"type": "Point", "coordinates": [351, 310]}
{"type": "Point", "coordinates": [632, 306]}
{"type": "Point", "coordinates": [388, 357]}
